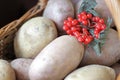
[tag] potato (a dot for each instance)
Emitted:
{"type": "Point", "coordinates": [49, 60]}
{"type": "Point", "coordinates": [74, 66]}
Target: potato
{"type": "Point", "coordinates": [102, 10]}
{"type": "Point", "coordinates": [116, 67]}
{"type": "Point", "coordinates": [92, 72]}
{"type": "Point", "coordinates": [33, 36]}
{"type": "Point", "coordinates": [75, 1]}
{"type": "Point", "coordinates": [110, 52]}
{"type": "Point", "coordinates": [56, 60]}
{"type": "Point", "coordinates": [21, 67]}
{"type": "Point", "coordinates": [6, 71]}
{"type": "Point", "coordinates": [58, 11]}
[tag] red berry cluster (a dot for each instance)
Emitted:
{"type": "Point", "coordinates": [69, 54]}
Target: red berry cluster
{"type": "Point", "coordinates": [80, 27]}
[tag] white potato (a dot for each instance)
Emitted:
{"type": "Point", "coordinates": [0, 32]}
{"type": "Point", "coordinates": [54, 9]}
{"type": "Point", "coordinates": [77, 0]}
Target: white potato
{"type": "Point", "coordinates": [92, 72]}
{"type": "Point", "coordinates": [110, 52]}
{"type": "Point", "coordinates": [21, 67]}
{"type": "Point", "coordinates": [58, 11]}
{"type": "Point", "coordinates": [6, 71]}
{"type": "Point", "coordinates": [33, 36]}
{"type": "Point", "coordinates": [58, 59]}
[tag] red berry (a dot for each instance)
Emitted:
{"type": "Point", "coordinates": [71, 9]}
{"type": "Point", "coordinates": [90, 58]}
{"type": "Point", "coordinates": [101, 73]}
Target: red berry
{"type": "Point", "coordinates": [74, 22]}
{"type": "Point", "coordinates": [97, 36]}
{"type": "Point", "coordinates": [96, 31]}
{"type": "Point", "coordinates": [93, 19]}
{"type": "Point", "coordinates": [69, 18]}
{"type": "Point", "coordinates": [69, 24]}
{"type": "Point", "coordinates": [97, 18]}
{"type": "Point", "coordinates": [89, 15]}
{"type": "Point", "coordinates": [69, 32]}
{"type": "Point", "coordinates": [65, 22]}
{"type": "Point", "coordinates": [101, 21]}
{"type": "Point", "coordinates": [77, 34]}
{"type": "Point", "coordinates": [84, 37]}
{"type": "Point", "coordinates": [84, 17]}
{"type": "Point", "coordinates": [80, 39]}
{"type": "Point", "coordinates": [78, 27]}
{"type": "Point", "coordinates": [79, 15]}
{"type": "Point", "coordinates": [85, 22]}
{"type": "Point", "coordinates": [80, 19]}
{"type": "Point", "coordinates": [103, 27]}
{"type": "Point", "coordinates": [85, 31]}
{"type": "Point", "coordinates": [90, 36]}
{"type": "Point", "coordinates": [83, 13]}
{"type": "Point", "coordinates": [65, 28]}
{"type": "Point", "coordinates": [73, 29]}
{"type": "Point", "coordinates": [98, 26]}
{"type": "Point", "coordinates": [87, 41]}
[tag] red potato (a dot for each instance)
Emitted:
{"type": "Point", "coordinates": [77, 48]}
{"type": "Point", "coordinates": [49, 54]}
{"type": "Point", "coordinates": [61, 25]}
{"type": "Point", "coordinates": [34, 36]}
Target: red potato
{"type": "Point", "coordinates": [58, 11]}
{"type": "Point", "coordinates": [110, 51]}
{"type": "Point", "coordinates": [57, 59]}
{"type": "Point", "coordinates": [21, 67]}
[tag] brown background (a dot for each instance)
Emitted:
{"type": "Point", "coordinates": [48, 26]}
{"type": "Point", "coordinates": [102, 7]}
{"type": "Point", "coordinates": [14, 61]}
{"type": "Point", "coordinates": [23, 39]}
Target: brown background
{"type": "Point", "coordinates": [13, 9]}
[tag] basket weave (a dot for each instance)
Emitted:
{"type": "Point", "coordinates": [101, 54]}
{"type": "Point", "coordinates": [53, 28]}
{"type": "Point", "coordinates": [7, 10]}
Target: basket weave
{"type": "Point", "coordinates": [7, 32]}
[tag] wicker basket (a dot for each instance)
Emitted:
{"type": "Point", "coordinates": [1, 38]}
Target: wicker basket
{"type": "Point", "coordinates": [7, 32]}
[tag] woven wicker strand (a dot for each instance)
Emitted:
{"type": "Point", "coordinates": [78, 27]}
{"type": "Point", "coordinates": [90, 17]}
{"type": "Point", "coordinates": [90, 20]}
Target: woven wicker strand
{"type": "Point", "coordinates": [7, 32]}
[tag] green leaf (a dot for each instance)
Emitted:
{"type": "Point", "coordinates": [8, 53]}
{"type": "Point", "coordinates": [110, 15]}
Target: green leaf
{"type": "Point", "coordinates": [87, 5]}
{"type": "Point", "coordinates": [97, 49]}
{"type": "Point", "coordinates": [96, 44]}
{"type": "Point", "coordinates": [93, 12]}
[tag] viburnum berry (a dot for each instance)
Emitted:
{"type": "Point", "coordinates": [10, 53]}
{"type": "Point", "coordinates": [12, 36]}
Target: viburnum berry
{"type": "Point", "coordinates": [69, 32]}
{"type": "Point", "coordinates": [97, 18]}
{"type": "Point", "coordinates": [84, 22]}
{"type": "Point", "coordinates": [98, 26]}
{"type": "Point", "coordinates": [65, 22]}
{"type": "Point", "coordinates": [75, 22]}
{"type": "Point", "coordinates": [69, 18]}
{"type": "Point", "coordinates": [77, 34]}
{"type": "Point", "coordinates": [73, 29]}
{"type": "Point", "coordinates": [84, 17]}
{"type": "Point", "coordinates": [89, 15]}
{"type": "Point", "coordinates": [80, 27]}
{"type": "Point", "coordinates": [103, 27]}
{"type": "Point", "coordinates": [97, 36]}
{"type": "Point", "coordinates": [93, 19]}
{"type": "Point", "coordinates": [83, 13]}
{"type": "Point", "coordinates": [80, 39]}
{"type": "Point", "coordinates": [80, 19]}
{"type": "Point", "coordinates": [101, 21]}
{"type": "Point", "coordinates": [69, 24]}
{"type": "Point", "coordinates": [65, 28]}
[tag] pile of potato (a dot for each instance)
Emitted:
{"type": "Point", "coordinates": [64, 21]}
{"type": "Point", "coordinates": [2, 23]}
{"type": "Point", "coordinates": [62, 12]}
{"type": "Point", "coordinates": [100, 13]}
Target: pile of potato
{"type": "Point", "coordinates": [44, 51]}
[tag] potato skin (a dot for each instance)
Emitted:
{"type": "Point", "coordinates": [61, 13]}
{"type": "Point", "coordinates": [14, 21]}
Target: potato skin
{"type": "Point", "coordinates": [92, 72]}
{"type": "Point", "coordinates": [21, 67]}
{"type": "Point", "coordinates": [56, 60]}
{"type": "Point", "coordinates": [33, 36]}
{"type": "Point", "coordinates": [58, 11]}
{"type": "Point", "coordinates": [6, 71]}
{"type": "Point", "coordinates": [116, 67]}
{"type": "Point", "coordinates": [110, 51]}
{"type": "Point", "coordinates": [75, 1]}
